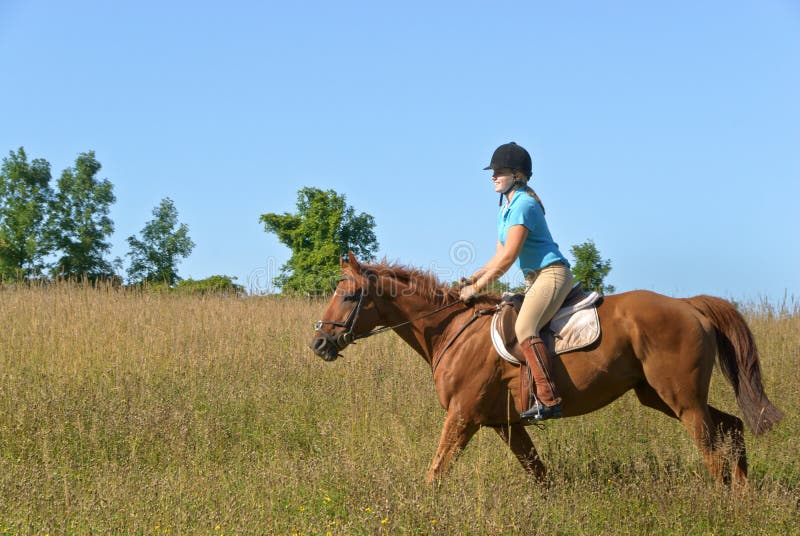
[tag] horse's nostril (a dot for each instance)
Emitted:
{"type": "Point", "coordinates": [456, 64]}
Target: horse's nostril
{"type": "Point", "coordinates": [318, 344]}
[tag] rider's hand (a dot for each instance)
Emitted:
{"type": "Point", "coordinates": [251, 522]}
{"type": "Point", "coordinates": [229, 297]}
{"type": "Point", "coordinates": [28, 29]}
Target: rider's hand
{"type": "Point", "coordinates": [468, 294]}
{"type": "Point", "coordinates": [464, 281]}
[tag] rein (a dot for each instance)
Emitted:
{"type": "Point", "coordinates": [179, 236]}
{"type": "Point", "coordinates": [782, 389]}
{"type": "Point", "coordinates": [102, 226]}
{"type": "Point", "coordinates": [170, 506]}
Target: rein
{"type": "Point", "coordinates": [348, 337]}
{"type": "Point", "coordinates": [387, 328]}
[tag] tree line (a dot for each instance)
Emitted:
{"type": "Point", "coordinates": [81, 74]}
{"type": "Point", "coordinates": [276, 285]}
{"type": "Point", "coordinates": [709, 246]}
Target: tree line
{"type": "Point", "coordinates": [62, 231]}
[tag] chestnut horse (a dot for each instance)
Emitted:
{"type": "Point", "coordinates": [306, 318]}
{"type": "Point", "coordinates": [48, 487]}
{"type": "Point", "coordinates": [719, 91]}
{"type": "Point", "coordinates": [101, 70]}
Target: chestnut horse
{"type": "Point", "coordinates": [663, 348]}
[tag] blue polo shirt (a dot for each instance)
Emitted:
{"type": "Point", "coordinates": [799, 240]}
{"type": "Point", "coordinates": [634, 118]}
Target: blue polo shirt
{"type": "Point", "coordinates": [539, 250]}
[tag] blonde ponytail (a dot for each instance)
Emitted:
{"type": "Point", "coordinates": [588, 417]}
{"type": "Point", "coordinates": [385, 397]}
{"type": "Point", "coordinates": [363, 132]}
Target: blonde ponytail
{"type": "Point", "coordinates": [531, 193]}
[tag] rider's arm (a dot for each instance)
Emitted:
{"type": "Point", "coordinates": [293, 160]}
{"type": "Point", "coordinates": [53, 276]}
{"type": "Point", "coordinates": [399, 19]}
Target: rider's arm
{"type": "Point", "coordinates": [474, 277]}
{"type": "Point", "coordinates": [503, 258]}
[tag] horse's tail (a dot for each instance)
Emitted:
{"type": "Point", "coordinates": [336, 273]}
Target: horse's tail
{"type": "Point", "coordinates": [738, 358]}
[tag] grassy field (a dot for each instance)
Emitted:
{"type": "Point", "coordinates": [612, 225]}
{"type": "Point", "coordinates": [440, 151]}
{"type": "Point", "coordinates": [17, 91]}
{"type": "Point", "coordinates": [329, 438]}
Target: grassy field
{"type": "Point", "coordinates": [130, 413]}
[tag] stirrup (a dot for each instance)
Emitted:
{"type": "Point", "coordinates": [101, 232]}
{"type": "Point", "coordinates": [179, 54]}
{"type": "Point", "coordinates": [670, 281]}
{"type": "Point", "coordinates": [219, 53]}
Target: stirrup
{"type": "Point", "coordinates": [540, 412]}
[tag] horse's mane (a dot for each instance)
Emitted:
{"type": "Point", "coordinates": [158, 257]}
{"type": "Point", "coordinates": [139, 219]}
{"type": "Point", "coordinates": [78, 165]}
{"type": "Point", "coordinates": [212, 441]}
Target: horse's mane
{"type": "Point", "coordinates": [424, 283]}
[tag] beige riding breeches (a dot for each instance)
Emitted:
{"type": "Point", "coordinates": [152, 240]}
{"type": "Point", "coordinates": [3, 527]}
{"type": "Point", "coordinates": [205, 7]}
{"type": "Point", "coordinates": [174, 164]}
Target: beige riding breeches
{"type": "Point", "coordinates": [546, 290]}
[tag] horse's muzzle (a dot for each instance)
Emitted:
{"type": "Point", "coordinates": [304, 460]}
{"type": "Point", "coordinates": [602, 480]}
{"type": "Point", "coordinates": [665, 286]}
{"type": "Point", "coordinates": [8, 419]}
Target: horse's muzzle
{"type": "Point", "coordinates": [323, 348]}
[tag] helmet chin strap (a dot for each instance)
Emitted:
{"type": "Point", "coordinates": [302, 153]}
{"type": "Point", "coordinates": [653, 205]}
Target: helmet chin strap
{"type": "Point", "coordinates": [513, 184]}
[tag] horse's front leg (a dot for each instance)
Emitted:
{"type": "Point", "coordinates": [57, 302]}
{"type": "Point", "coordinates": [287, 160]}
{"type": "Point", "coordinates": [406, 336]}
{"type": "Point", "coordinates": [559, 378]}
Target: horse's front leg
{"type": "Point", "coordinates": [517, 438]}
{"type": "Point", "coordinates": [456, 433]}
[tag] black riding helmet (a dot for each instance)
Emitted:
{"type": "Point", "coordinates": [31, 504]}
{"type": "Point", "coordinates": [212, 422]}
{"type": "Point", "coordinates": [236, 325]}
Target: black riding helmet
{"type": "Point", "coordinates": [512, 156]}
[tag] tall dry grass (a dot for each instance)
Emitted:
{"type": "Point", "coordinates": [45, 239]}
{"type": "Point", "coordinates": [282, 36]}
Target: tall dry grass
{"type": "Point", "coordinates": [137, 413]}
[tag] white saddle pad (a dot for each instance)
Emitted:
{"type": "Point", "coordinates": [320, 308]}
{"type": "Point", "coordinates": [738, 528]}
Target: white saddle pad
{"type": "Point", "coordinates": [573, 331]}
{"type": "Point", "coordinates": [572, 328]}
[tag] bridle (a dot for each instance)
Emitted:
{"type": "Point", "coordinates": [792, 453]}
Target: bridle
{"type": "Point", "coordinates": [348, 337]}
{"type": "Point", "coordinates": [343, 339]}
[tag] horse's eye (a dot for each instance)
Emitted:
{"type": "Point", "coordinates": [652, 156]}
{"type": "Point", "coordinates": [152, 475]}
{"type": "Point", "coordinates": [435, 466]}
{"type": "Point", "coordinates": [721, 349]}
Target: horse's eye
{"type": "Point", "coordinates": [350, 297]}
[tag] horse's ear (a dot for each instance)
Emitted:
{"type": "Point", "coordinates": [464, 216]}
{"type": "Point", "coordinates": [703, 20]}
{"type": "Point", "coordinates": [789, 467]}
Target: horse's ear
{"type": "Point", "coordinates": [352, 262]}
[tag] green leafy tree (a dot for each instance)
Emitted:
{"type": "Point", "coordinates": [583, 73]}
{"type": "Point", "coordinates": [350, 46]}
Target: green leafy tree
{"type": "Point", "coordinates": [590, 268]}
{"type": "Point", "coordinates": [24, 196]}
{"type": "Point", "coordinates": [79, 224]}
{"type": "Point", "coordinates": [164, 243]}
{"type": "Point", "coordinates": [216, 284]}
{"type": "Point", "coordinates": [495, 287]}
{"type": "Point", "coordinates": [323, 229]}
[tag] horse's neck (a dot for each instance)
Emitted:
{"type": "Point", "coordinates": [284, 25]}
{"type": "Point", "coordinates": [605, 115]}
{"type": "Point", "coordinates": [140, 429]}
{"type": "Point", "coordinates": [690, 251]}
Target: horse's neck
{"type": "Point", "coordinates": [423, 332]}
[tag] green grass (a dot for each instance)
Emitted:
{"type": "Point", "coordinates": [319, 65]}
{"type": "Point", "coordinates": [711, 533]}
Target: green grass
{"type": "Point", "coordinates": [130, 413]}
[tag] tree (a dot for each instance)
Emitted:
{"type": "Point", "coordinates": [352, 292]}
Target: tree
{"type": "Point", "coordinates": [79, 224]}
{"type": "Point", "coordinates": [24, 196]}
{"type": "Point", "coordinates": [495, 287]}
{"type": "Point", "coordinates": [164, 243]}
{"type": "Point", "coordinates": [323, 229]}
{"type": "Point", "coordinates": [222, 285]}
{"type": "Point", "coordinates": [589, 268]}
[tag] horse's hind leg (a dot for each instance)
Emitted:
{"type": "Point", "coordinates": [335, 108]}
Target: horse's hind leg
{"type": "Point", "coordinates": [710, 429]}
{"type": "Point", "coordinates": [695, 416]}
{"type": "Point", "coordinates": [707, 426]}
{"type": "Point", "coordinates": [703, 429]}
{"type": "Point", "coordinates": [517, 438]}
{"type": "Point", "coordinates": [730, 428]}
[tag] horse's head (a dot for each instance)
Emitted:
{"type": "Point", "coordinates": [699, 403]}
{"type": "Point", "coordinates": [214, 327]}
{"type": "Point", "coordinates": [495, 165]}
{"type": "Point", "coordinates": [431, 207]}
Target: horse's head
{"type": "Point", "coordinates": [350, 312]}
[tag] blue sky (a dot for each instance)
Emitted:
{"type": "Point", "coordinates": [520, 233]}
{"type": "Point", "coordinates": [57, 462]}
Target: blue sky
{"type": "Point", "coordinates": [669, 133]}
